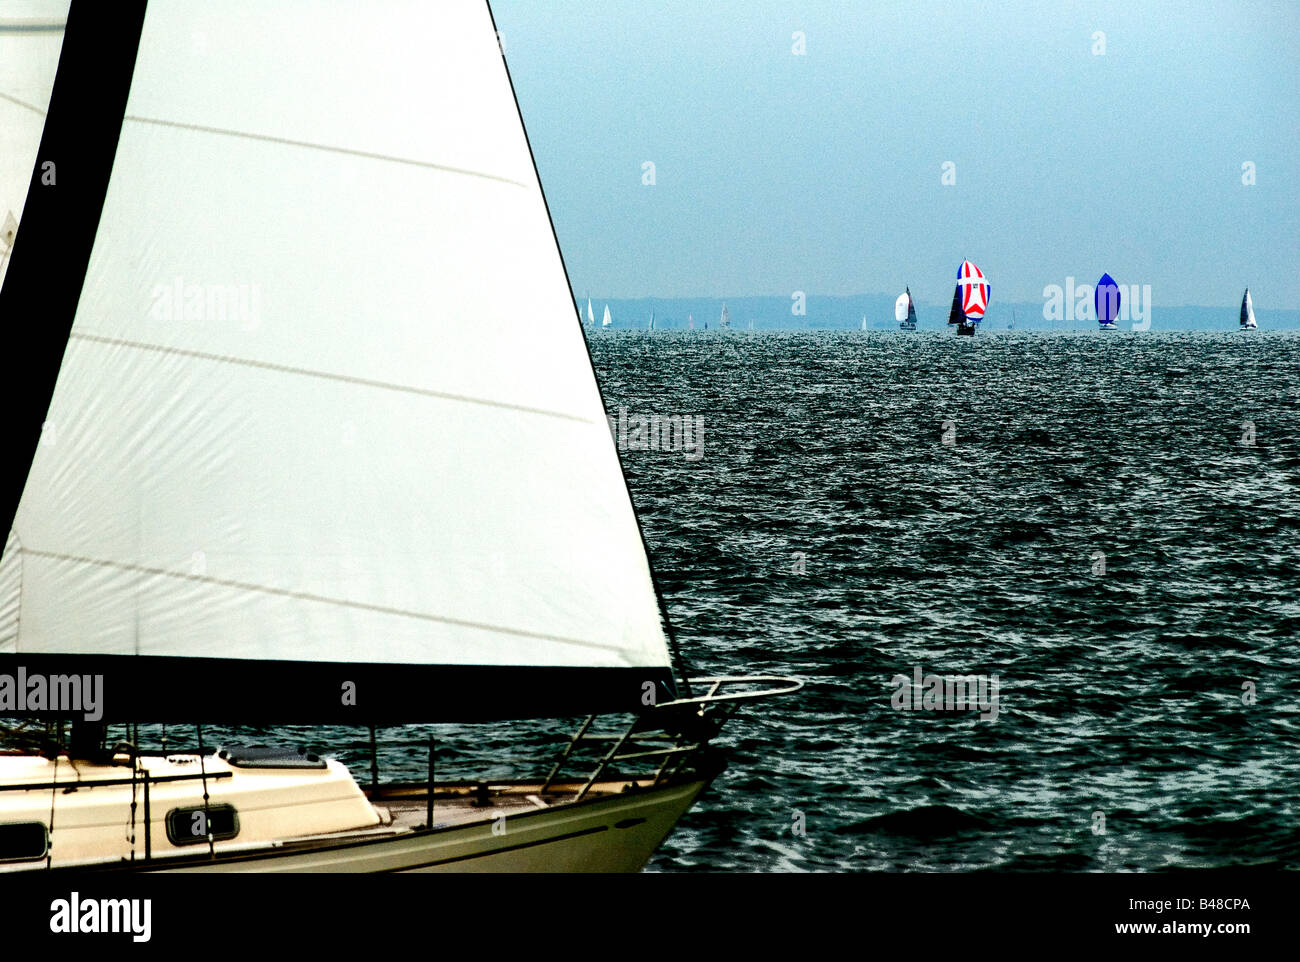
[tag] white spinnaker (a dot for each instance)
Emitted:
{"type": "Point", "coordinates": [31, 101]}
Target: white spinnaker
{"type": "Point", "coordinates": [900, 307]}
{"type": "Point", "coordinates": [31, 36]}
{"type": "Point", "coordinates": [363, 456]}
{"type": "Point", "coordinates": [1250, 311]}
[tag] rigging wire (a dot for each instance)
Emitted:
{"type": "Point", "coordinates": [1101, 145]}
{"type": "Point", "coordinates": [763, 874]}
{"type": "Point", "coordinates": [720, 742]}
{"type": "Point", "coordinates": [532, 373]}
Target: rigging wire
{"type": "Point", "coordinates": [54, 794]}
{"type": "Point", "coordinates": [207, 815]}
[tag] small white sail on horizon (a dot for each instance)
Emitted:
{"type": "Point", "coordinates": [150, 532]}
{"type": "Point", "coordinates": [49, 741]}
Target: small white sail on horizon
{"type": "Point", "coordinates": [591, 318]}
{"type": "Point", "coordinates": [606, 321]}
{"type": "Point", "coordinates": [1248, 312]}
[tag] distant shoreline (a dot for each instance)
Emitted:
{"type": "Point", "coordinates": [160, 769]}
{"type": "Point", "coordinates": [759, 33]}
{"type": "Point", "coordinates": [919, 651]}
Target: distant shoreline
{"type": "Point", "coordinates": [845, 313]}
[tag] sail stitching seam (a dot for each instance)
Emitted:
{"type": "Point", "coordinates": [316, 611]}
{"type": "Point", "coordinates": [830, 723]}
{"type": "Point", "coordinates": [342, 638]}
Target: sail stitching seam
{"type": "Point", "coordinates": [21, 103]}
{"type": "Point", "coordinates": [369, 155]}
{"type": "Point", "coordinates": [307, 596]}
{"type": "Point", "coordinates": [325, 375]}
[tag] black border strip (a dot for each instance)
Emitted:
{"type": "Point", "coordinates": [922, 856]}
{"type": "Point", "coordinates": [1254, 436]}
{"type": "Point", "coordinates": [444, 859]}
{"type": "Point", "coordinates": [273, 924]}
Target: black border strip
{"type": "Point", "coordinates": [48, 266]}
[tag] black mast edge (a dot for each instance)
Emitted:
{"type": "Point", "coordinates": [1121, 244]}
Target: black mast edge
{"type": "Point", "coordinates": [65, 199]}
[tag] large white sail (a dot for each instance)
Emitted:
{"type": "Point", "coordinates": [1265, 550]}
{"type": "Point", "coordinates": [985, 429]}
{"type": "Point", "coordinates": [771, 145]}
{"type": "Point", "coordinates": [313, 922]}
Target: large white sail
{"type": "Point", "coordinates": [606, 320]}
{"type": "Point", "coordinates": [265, 443]}
{"type": "Point", "coordinates": [31, 34]}
{"type": "Point", "coordinates": [900, 307]}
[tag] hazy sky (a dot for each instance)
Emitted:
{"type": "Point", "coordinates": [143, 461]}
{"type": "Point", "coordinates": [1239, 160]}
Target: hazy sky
{"type": "Point", "coordinates": [778, 172]}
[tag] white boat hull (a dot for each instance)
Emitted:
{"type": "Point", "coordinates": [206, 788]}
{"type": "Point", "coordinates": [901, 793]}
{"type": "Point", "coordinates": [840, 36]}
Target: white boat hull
{"type": "Point", "coordinates": [611, 834]}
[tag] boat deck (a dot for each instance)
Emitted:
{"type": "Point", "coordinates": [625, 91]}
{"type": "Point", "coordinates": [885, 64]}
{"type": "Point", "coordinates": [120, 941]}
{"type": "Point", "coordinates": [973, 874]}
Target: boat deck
{"type": "Point", "coordinates": [405, 807]}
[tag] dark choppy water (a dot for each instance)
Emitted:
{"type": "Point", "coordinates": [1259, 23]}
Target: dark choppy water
{"type": "Point", "coordinates": [1121, 692]}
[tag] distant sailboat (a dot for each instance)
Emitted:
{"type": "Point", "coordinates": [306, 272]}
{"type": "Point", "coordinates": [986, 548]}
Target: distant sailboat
{"type": "Point", "coordinates": [1105, 300]}
{"type": "Point", "coordinates": [970, 299]}
{"type": "Point", "coordinates": [591, 318]}
{"type": "Point", "coordinates": [1248, 312]}
{"type": "Point", "coordinates": [864, 322]}
{"type": "Point", "coordinates": [652, 321]}
{"type": "Point", "coordinates": [1011, 324]}
{"type": "Point", "coordinates": [905, 311]}
{"type": "Point", "coordinates": [725, 321]}
{"type": "Point", "coordinates": [690, 322]}
{"type": "Point", "coordinates": [606, 321]}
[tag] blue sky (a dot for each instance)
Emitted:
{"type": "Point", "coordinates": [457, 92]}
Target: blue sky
{"type": "Point", "coordinates": [822, 172]}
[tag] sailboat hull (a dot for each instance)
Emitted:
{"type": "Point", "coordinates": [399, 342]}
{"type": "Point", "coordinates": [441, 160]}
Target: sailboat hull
{"type": "Point", "coordinates": [615, 833]}
{"type": "Point", "coordinates": [510, 827]}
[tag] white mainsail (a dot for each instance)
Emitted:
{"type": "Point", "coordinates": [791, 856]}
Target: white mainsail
{"type": "Point", "coordinates": [1248, 312]}
{"type": "Point", "coordinates": [606, 320]}
{"type": "Point", "coordinates": [31, 35]}
{"type": "Point", "coordinates": [347, 470]}
{"type": "Point", "coordinates": [591, 318]}
{"type": "Point", "coordinates": [900, 307]}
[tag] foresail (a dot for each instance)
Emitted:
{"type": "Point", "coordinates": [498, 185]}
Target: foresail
{"type": "Point", "coordinates": [272, 439]}
{"type": "Point", "coordinates": [900, 307]}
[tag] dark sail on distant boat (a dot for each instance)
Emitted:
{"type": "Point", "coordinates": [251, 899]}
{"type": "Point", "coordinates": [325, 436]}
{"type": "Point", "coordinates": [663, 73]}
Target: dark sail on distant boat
{"type": "Point", "coordinates": [905, 311]}
{"type": "Point", "coordinates": [955, 315]}
{"type": "Point", "coordinates": [1248, 312]}
{"type": "Point", "coordinates": [1105, 299]}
